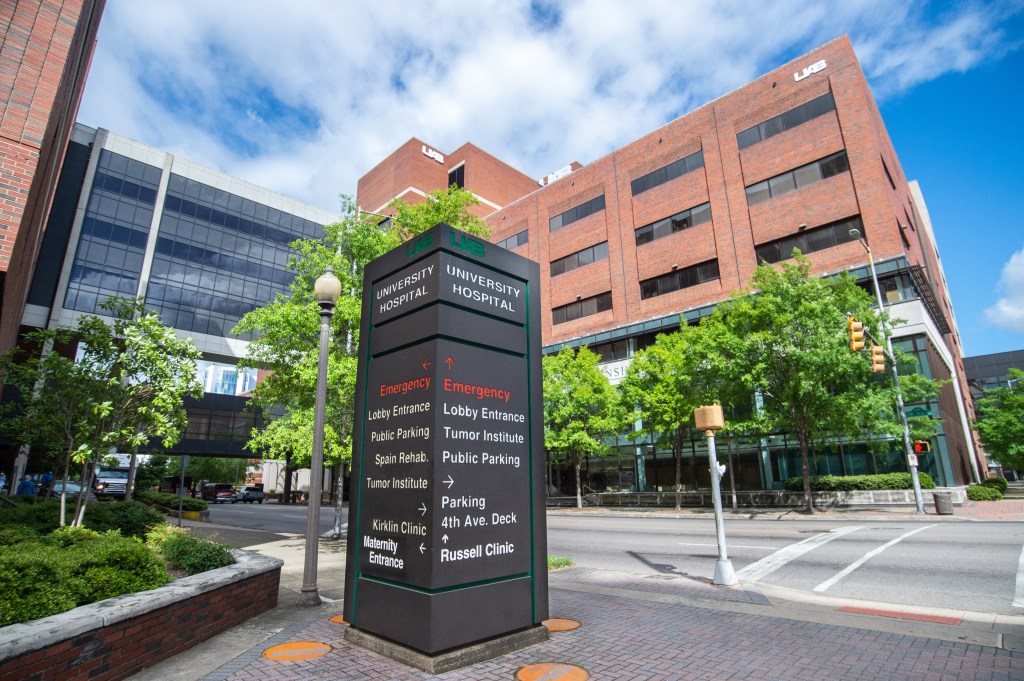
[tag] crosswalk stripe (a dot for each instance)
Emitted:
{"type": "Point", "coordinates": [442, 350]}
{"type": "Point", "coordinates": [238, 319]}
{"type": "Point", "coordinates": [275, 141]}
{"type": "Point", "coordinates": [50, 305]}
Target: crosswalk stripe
{"type": "Point", "coordinates": [769, 564]}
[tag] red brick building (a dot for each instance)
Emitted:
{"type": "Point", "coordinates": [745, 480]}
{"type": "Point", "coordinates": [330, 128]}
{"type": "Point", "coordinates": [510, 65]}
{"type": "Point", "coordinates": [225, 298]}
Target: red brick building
{"type": "Point", "coordinates": [45, 50]}
{"type": "Point", "coordinates": [677, 220]}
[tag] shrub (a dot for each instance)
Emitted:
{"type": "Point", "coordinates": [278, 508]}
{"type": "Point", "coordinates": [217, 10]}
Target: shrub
{"type": "Point", "coordinates": [131, 518]}
{"type": "Point", "coordinates": [998, 483]}
{"type": "Point", "coordinates": [849, 483]}
{"type": "Point", "coordinates": [556, 562]}
{"type": "Point", "coordinates": [188, 552]}
{"type": "Point", "coordinates": [16, 534]}
{"type": "Point", "coordinates": [170, 501]}
{"type": "Point", "coordinates": [72, 567]}
{"type": "Point", "coordinates": [983, 493]}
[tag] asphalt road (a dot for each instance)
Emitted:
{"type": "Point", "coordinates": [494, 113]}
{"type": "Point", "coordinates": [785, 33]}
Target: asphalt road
{"type": "Point", "coordinates": [974, 566]}
{"type": "Point", "coordinates": [969, 566]}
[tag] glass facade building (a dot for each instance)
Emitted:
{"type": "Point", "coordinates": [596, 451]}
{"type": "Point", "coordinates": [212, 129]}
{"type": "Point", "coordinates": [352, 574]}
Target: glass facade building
{"type": "Point", "coordinates": [200, 247]}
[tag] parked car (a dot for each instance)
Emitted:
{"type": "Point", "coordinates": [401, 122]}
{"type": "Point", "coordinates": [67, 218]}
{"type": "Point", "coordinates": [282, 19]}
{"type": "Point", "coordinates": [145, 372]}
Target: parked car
{"type": "Point", "coordinates": [250, 494]}
{"type": "Point", "coordinates": [219, 493]}
{"type": "Point", "coordinates": [74, 488]}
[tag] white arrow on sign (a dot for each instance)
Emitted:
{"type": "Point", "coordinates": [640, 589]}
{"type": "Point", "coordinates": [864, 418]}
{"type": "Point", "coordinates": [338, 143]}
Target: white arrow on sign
{"type": "Point", "coordinates": [449, 481]}
{"type": "Point", "coordinates": [445, 539]}
{"type": "Point", "coordinates": [423, 508]}
{"type": "Point", "coordinates": [422, 547]}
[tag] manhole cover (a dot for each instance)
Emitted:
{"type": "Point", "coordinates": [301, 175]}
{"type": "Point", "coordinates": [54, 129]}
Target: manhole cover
{"type": "Point", "coordinates": [560, 624]}
{"type": "Point", "coordinates": [552, 671]}
{"type": "Point", "coordinates": [297, 650]}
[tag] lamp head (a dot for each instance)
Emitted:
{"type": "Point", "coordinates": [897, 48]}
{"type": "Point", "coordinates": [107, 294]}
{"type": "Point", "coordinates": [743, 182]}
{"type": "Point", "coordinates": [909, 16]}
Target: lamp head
{"type": "Point", "coordinates": [327, 288]}
{"type": "Point", "coordinates": [854, 233]}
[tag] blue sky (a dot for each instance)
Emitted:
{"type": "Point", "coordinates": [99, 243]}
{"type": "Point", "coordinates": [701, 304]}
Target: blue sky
{"type": "Point", "coordinates": [304, 100]}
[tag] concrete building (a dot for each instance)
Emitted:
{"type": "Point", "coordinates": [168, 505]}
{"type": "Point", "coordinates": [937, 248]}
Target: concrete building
{"type": "Point", "coordinates": [674, 222]}
{"type": "Point", "coordinates": [45, 51]}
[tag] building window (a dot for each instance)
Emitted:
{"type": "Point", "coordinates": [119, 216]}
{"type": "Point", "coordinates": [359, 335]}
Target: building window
{"type": "Point", "coordinates": [810, 240]}
{"type": "Point", "coordinates": [115, 230]}
{"type": "Point", "coordinates": [669, 172]}
{"type": "Point", "coordinates": [579, 259]}
{"type": "Point", "coordinates": [457, 177]}
{"type": "Point", "coordinates": [888, 175]}
{"type": "Point", "coordinates": [581, 308]}
{"type": "Point", "coordinates": [785, 121]}
{"type": "Point", "coordinates": [797, 178]}
{"type": "Point", "coordinates": [515, 240]}
{"type": "Point", "coordinates": [578, 213]}
{"type": "Point", "coordinates": [613, 351]}
{"type": "Point", "coordinates": [676, 223]}
{"type": "Point", "coordinates": [219, 255]}
{"type": "Point", "coordinates": [679, 279]}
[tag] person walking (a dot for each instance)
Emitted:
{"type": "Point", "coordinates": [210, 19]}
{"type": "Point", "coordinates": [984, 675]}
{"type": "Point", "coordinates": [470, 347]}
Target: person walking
{"type": "Point", "coordinates": [26, 486]}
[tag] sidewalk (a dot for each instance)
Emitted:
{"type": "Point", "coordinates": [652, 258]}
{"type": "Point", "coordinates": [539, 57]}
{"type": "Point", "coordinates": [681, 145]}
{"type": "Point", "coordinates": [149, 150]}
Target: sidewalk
{"type": "Point", "coordinates": [640, 627]}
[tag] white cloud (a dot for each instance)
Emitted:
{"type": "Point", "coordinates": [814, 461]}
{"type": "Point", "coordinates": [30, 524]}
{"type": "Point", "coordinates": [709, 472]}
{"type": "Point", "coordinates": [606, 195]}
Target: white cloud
{"type": "Point", "coordinates": [306, 99]}
{"type": "Point", "coordinates": [1008, 312]}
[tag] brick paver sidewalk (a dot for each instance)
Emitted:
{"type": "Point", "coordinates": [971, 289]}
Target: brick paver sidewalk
{"type": "Point", "coordinates": [635, 639]}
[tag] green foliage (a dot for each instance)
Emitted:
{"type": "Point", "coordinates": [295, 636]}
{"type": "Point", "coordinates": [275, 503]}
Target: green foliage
{"type": "Point", "coordinates": [983, 493]}
{"type": "Point", "coordinates": [128, 517]}
{"type": "Point", "coordinates": [216, 469]}
{"type": "Point", "coordinates": [786, 340]}
{"type": "Point", "coordinates": [72, 567]}
{"type": "Point", "coordinates": [1000, 421]}
{"type": "Point", "coordinates": [188, 552]}
{"type": "Point", "coordinates": [170, 501]}
{"type": "Point", "coordinates": [16, 534]}
{"type": "Point", "coordinates": [850, 483]}
{"type": "Point", "coordinates": [580, 408]}
{"type": "Point", "coordinates": [286, 330]}
{"type": "Point", "coordinates": [556, 562]}
{"type": "Point", "coordinates": [997, 483]}
{"type": "Point", "coordinates": [151, 473]}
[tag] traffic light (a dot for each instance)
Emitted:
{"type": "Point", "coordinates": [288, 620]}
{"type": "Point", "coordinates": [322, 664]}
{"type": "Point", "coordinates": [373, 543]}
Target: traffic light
{"type": "Point", "coordinates": [856, 330]}
{"type": "Point", "coordinates": [922, 446]}
{"type": "Point", "coordinates": [877, 359]}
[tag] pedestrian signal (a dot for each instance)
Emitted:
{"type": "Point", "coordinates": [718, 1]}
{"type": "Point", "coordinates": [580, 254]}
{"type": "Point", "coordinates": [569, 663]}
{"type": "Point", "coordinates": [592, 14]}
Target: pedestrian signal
{"type": "Point", "coordinates": [922, 446]}
{"type": "Point", "coordinates": [856, 330]}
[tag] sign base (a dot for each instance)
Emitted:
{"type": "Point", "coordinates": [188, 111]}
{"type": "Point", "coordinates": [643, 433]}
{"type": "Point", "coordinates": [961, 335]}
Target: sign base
{"type": "Point", "coordinates": [449, 659]}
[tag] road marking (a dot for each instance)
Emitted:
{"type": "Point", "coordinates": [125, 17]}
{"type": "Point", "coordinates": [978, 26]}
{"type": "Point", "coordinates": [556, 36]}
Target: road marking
{"type": "Point", "coordinates": [865, 558]}
{"type": "Point", "coordinates": [769, 564]}
{"type": "Point", "coordinates": [731, 546]}
{"type": "Point", "coordinates": [1018, 594]}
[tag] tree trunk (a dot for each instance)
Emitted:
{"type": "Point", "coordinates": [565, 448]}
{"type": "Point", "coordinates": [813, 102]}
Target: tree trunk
{"type": "Point", "coordinates": [577, 464]}
{"type": "Point", "coordinates": [132, 467]}
{"type": "Point", "coordinates": [64, 489]}
{"type": "Point", "coordinates": [805, 458]}
{"type": "Point", "coordinates": [286, 498]}
{"type": "Point", "coordinates": [82, 498]}
{"type": "Point", "coordinates": [732, 478]}
{"type": "Point", "coordinates": [678, 452]}
{"type": "Point", "coordinates": [339, 493]}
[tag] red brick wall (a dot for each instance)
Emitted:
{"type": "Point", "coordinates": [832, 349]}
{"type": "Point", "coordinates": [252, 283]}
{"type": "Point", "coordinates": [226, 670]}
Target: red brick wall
{"type": "Point", "coordinates": [120, 650]}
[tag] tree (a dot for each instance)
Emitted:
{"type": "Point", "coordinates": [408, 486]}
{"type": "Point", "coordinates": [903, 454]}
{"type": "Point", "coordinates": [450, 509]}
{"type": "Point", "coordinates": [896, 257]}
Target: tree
{"type": "Point", "coordinates": [1000, 421]}
{"type": "Point", "coordinates": [125, 386]}
{"type": "Point", "coordinates": [787, 341]}
{"type": "Point", "coordinates": [580, 408]}
{"type": "Point", "coordinates": [662, 387]}
{"type": "Point", "coordinates": [285, 332]}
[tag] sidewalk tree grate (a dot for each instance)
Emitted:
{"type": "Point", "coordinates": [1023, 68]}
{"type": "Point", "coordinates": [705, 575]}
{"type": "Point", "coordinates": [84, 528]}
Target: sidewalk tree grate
{"type": "Point", "coordinates": [560, 624]}
{"type": "Point", "coordinates": [297, 650]}
{"type": "Point", "coordinates": [552, 671]}
{"type": "Point", "coordinates": [898, 614]}
{"type": "Point", "coordinates": [339, 619]}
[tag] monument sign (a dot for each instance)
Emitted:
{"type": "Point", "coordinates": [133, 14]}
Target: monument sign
{"type": "Point", "coordinates": [446, 542]}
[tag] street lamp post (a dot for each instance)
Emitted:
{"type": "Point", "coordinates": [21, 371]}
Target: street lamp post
{"type": "Point", "coordinates": [709, 419]}
{"type": "Point", "coordinates": [327, 290]}
{"type": "Point", "coordinates": [907, 448]}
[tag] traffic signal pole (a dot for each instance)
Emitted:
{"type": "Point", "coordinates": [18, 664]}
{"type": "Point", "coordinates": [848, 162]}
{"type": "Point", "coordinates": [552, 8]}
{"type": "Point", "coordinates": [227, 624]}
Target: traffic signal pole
{"type": "Point", "coordinates": [907, 447]}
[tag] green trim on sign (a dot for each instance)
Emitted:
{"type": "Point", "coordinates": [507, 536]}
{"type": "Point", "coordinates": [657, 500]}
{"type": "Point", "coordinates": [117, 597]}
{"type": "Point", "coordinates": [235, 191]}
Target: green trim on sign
{"type": "Point", "coordinates": [533, 499]}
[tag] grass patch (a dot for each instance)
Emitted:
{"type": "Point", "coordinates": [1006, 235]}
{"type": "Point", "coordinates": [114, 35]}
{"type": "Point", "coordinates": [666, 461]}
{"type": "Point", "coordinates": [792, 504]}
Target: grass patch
{"type": "Point", "coordinates": [556, 562]}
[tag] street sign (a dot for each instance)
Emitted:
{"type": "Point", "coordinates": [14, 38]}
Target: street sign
{"type": "Point", "coordinates": [447, 486]}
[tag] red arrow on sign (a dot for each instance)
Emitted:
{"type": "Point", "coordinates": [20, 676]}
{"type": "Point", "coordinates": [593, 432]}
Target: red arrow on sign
{"type": "Point", "coordinates": [426, 363]}
{"type": "Point", "coordinates": [450, 362]}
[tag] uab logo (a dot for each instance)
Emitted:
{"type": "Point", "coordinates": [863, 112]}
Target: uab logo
{"type": "Point", "coordinates": [421, 244]}
{"type": "Point", "coordinates": [467, 244]}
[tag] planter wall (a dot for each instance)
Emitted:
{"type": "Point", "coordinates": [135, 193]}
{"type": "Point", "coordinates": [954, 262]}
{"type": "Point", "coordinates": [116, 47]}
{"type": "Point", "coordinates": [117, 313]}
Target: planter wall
{"type": "Point", "coordinates": [118, 637]}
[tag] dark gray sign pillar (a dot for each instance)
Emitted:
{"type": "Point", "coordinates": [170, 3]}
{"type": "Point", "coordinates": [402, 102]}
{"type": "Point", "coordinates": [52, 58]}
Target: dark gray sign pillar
{"type": "Point", "coordinates": [447, 543]}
